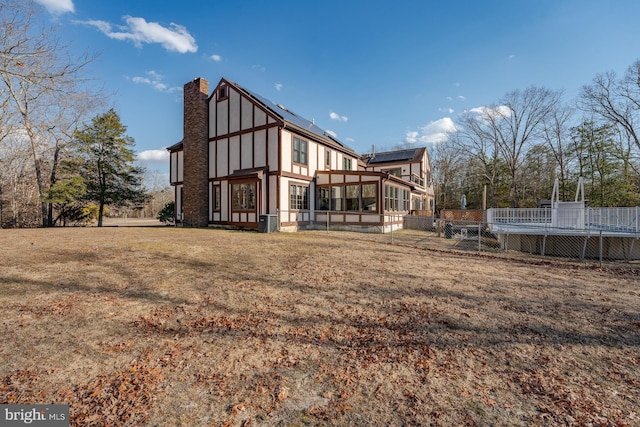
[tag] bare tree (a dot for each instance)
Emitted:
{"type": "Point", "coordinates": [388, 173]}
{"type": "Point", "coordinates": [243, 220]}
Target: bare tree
{"type": "Point", "coordinates": [556, 133]}
{"type": "Point", "coordinates": [72, 111]}
{"type": "Point", "coordinates": [447, 161]}
{"type": "Point", "coordinates": [36, 73]}
{"type": "Point", "coordinates": [16, 181]}
{"type": "Point", "coordinates": [616, 100]}
{"type": "Point", "coordinates": [517, 122]}
{"type": "Point", "coordinates": [478, 139]}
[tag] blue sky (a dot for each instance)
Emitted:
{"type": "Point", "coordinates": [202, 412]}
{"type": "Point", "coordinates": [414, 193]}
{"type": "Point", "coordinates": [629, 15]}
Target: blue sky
{"type": "Point", "coordinates": [383, 73]}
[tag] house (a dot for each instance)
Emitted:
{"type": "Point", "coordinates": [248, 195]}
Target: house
{"type": "Point", "coordinates": [242, 156]}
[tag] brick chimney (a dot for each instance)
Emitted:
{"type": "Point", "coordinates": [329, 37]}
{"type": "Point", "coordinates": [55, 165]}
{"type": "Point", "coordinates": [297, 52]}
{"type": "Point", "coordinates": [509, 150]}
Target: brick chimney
{"type": "Point", "coordinates": [195, 191]}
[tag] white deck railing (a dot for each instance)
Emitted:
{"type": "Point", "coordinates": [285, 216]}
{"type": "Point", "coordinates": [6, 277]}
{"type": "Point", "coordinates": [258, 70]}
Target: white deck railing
{"type": "Point", "coordinates": [611, 219]}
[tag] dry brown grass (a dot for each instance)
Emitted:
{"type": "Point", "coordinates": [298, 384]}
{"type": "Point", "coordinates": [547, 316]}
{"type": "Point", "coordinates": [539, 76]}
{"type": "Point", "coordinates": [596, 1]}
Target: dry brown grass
{"type": "Point", "coordinates": [165, 326]}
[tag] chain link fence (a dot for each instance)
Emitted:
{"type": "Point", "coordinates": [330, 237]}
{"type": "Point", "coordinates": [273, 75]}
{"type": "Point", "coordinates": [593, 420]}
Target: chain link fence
{"type": "Point", "coordinates": [587, 246]}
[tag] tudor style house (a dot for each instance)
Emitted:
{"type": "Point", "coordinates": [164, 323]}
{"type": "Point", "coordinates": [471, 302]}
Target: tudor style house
{"type": "Point", "coordinates": [243, 156]}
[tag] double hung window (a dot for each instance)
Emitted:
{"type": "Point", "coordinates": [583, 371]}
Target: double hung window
{"type": "Point", "coordinates": [299, 151]}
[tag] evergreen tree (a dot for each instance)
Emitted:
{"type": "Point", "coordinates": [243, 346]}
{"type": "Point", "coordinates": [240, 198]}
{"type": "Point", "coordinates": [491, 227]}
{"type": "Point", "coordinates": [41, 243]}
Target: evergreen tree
{"type": "Point", "coordinates": [167, 214]}
{"type": "Point", "coordinates": [108, 166]}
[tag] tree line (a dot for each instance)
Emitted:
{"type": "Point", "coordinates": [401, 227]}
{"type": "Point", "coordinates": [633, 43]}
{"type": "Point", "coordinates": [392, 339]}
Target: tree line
{"type": "Point", "coordinates": [62, 162]}
{"type": "Point", "coordinates": [510, 153]}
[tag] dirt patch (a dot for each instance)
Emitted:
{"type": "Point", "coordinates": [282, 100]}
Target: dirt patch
{"type": "Point", "coordinates": [166, 326]}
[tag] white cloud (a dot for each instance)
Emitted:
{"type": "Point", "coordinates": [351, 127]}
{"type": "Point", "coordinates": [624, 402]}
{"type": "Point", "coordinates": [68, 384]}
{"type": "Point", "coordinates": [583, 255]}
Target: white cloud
{"type": "Point", "coordinates": [259, 67]}
{"type": "Point", "coordinates": [412, 137]}
{"type": "Point", "coordinates": [446, 110]}
{"type": "Point", "coordinates": [216, 58]}
{"type": "Point", "coordinates": [154, 156]}
{"type": "Point", "coordinates": [154, 80]}
{"type": "Point", "coordinates": [174, 38]}
{"type": "Point", "coordinates": [512, 56]}
{"type": "Point", "coordinates": [492, 112]}
{"type": "Point", "coordinates": [332, 133]}
{"type": "Point", "coordinates": [338, 117]}
{"type": "Point", "coordinates": [57, 7]}
{"type": "Point", "coordinates": [350, 140]}
{"type": "Point", "coordinates": [433, 133]}
{"type": "Point", "coordinates": [461, 97]}
{"type": "Point", "coordinates": [278, 86]}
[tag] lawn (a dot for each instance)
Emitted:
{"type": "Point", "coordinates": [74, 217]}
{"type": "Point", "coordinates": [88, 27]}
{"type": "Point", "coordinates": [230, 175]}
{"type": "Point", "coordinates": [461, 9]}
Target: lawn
{"type": "Point", "coordinates": [170, 326]}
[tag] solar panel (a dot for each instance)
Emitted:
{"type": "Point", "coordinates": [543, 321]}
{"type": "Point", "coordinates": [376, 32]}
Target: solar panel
{"type": "Point", "coordinates": [293, 118]}
{"type": "Point", "coordinates": [393, 156]}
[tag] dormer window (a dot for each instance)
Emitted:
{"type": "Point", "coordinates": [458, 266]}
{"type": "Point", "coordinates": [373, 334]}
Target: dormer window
{"type": "Point", "coordinates": [222, 92]}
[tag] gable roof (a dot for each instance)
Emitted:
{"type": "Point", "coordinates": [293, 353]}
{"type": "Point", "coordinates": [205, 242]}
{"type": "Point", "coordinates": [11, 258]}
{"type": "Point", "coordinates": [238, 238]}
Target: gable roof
{"type": "Point", "coordinates": [291, 119]}
{"type": "Point", "coordinates": [397, 156]}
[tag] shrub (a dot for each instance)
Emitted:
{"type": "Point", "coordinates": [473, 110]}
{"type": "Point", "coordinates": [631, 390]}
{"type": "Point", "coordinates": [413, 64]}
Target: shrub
{"type": "Point", "coordinates": [166, 214]}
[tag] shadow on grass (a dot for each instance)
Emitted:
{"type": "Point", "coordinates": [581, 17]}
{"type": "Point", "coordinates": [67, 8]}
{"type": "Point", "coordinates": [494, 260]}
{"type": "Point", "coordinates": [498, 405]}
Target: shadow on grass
{"type": "Point", "coordinates": [389, 322]}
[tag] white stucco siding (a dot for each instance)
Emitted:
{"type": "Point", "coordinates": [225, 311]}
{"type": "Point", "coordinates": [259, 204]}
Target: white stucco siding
{"type": "Point", "coordinates": [260, 117]}
{"type": "Point", "coordinates": [312, 161]}
{"type": "Point", "coordinates": [222, 117]}
{"type": "Point", "coordinates": [274, 161]}
{"type": "Point", "coordinates": [174, 167]}
{"type": "Point", "coordinates": [234, 108]}
{"type": "Point", "coordinates": [247, 114]}
{"type": "Point", "coordinates": [234, 154]}
{"type": "Point", "coordinates": [212, 117]}
{"type": "Point", "coordinates": [224, 201]}
{"type": "Point", "coordinates": [337, 178]}
{"type": "Point", "coordinates": [273, 192]}
{"type": "Point", "coordinates": [370, 218]}
{"type": "Point", "coordinates": [180, 166]}
{"type": "Point", "coordinates": [354, 163]}
{"type": "Point", "coordinates": [260, 148]}
{"type": "Point", "coordinates": [212, 160]}
{"type": "Point", "coordinates": [246, 151]}
{"type": "Point", "coordinates": [222, 148]}
{"type": "Point", "coordinates": [284, 195]}
{"type": "Point", "coordinates": [287, 147]}
{"type": "Point", "coordinates": [322, 179]}
{"type": "Point", "coordinates": [319, 164]}
{"type": "Point", "coordinates": [262, 200]}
